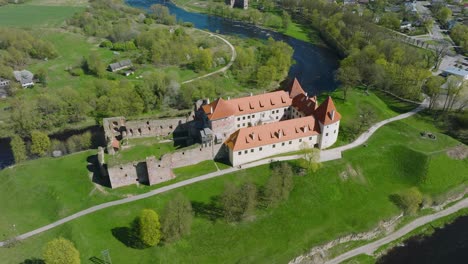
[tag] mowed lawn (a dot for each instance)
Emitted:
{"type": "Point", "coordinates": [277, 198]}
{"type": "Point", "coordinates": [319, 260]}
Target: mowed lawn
{"type": "Point", "coordinates": [34, 16]}
{"type": "Point", "coordinates": [347, 195]}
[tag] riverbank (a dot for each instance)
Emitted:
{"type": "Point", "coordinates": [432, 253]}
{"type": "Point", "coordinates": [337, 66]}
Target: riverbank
{"type": "Point", "coordinates": [294, 29]}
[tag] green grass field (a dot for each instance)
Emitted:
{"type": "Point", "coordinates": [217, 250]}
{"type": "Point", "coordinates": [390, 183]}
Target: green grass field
{"type": "Point", "coordinates": [322, 206]}
{"type": "Point", "coordinates": [34, 16]}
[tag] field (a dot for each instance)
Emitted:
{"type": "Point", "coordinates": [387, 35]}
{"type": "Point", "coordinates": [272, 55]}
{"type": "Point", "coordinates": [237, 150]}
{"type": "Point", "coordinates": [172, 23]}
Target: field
{"type": "Point", "coordinates": [35, 16]}
{"type": "Point", "coordinates": [348, 195]}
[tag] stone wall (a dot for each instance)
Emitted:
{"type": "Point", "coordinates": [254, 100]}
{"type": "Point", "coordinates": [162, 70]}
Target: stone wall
{"type": "Point", "coordinates": [154, 171]}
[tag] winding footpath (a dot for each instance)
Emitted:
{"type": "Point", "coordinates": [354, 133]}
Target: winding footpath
{"type": "Point", "coordinates": [225, 68]}
{"type": "Point", "coordinates": [372, 247]}
{"type": "Point", "coordinates": [325, 155]}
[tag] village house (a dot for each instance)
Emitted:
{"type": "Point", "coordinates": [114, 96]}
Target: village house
{"type": "Point", "coordinates": [24, 77]}
{"type": "Point", "coordinates": [125, 64]}
{"type": "Point", "coordinates": [4, 85]}
{"type": "Point", "coordinates": [259, 126]}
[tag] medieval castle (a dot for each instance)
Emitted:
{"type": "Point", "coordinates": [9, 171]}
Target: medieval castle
{"type": "Point", "coordinates": [240, 130]}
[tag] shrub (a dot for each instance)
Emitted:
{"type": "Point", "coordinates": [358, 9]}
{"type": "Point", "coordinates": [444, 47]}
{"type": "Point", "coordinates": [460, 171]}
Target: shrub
{"type": "Point", "coordinates": [409, 200]}
{"type": "Point", "coordinates": [147, 227]}
{"type": "Point", "coordinates": [61, 251]}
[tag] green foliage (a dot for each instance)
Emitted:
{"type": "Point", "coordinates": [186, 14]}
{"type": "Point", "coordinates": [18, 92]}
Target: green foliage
{"type": "Point", "coordinates": [239, 202]}
{"type": "Point", "coordinates": [311, 159]}
{"type": "Point", "coordinates": [176, 219]}
{"type": "Point", "coordinates": [106, 44]}
{"type": "Point", "coordinates": [409, 200]}
{"type": "Point", "coordinates": [124, 46]}
{"type": "Point", "coordinates": [459, 34]}
{"type": "Point", "coordinates": [117, 99]}
{"type": "Point", "coordinates": [40, 143]}
{"type": "Point", "coordinates": [390, 20]}
{"type": "Point", "coordinates": [18, 47]}
{"type": "Point", "coordinates": [162, 15]}
{"type": "Point", "coordinates": [94, 65]}
{"type": "Point", "coordinates": [147, 227]}
{"type": "Point", "coordinates": [203, 60]}
{"type": "Point", "coordinates": [18, 148]}
{"type": "Point", "coordinates": [79, 142]}
{"type": "Point", "coordinates": [61, 251]}
{"type": "Point", "coordinates": [432, 88]}
{"type": "Point", "coordinates": [280, 184]}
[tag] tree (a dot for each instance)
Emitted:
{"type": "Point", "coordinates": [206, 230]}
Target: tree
{"type": "Point", "coordinates": [443, 14]}
{"type": "Point", "coordinates": [203, 60]}
{"type": "Point", "coordinates": [42, 75]}
{"type": "Point", "coordinates": [390, 20]}
{"type": "Point", "coordinates": [280, 184]}
{"type": "Point", "coordinates": [176, 219]}
{"type": "Point", "coordinates": [432, 89]}
{"type": "Point", "coordinates": [40, 143]}
{"type": "Point", "coordinates": [61, 251]}
{"type": "Point", "coordinates": [239, 202]}
{"type": "Point", "coordinates": [94, 65]}
{"type": "Point", "coordinates": [311, 157]}
{"type": "Point", "coordinates": [147, 227]}
{"type": "Point", "coordinates": [409, 200]}
{"type": "Point", "coordinates": [18, 148]}
{"type": "Point", "coordinates": [349, 77]}
{"type": "Point", "coordinates": [286, 19]}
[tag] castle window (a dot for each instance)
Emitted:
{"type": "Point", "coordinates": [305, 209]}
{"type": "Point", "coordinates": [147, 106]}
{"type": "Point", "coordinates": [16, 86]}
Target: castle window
{"type": "Point", "coordinates": [334, 131]}
{"type": "Point", "coordinates": [248, 116]}
{"type": "Point", "coordinates": [239, 153]}
{"type": "Point", "coordinates": [253, 116]}
{"type": "Point", "coordinates": [238, 119]}
{"type": "Point", "coordinates": [276, 117]}
{"type": "Point", "coordinates": [260, 149]}
{"type": "Point", "coordinates": [277, 111]}
{"type": "Point", "coordinates": [252, 150]}
{"type": "Point", "coordinates": [238, 125]}
{"type": "Point", "coordinates": [282, 144]}
{"type": "Point", "coordinates": [274, 145]}
{"type": "Point", "coordinates": [326, 134]}
{"type": "Point", "coordinates": [290, 142]}
{"type": "Point", "coordinates": [300, 140]}
{"type": "Point", "coordinates": [273, 111]}
{"type": "Point", "coordinates": [245, 151]}
{"type": "Point", "coordinates": [310, 138]}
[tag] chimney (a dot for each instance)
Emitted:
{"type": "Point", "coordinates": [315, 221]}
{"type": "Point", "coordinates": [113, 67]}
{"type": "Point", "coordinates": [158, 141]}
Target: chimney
{"type": "Point", "coordinates": [305, 128]}
{"type": "Point", "coordinates": [280, 133]}
{"type": "Point", "coordinates": [211, 109]}
{"type": "Point", "coordinates": [252, 135]}
{"type": "Point", "coordinates": [332, 114]}
{"type": "Point", "coordinates": [207, 100]}
{"type": "Point", "coordinates": [306, 95]}
{"type": "Point", "coordinates": [229, 98]}
{"type": "Point", "coordinates": [251, 94]}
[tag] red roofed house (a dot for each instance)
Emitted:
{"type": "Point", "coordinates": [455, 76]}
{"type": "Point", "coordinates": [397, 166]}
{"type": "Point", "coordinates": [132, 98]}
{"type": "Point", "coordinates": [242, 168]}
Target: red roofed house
{"type": "Point", "coordinates": [259, 126]}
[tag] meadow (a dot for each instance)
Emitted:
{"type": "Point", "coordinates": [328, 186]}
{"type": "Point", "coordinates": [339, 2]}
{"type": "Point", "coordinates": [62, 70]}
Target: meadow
{"type": "Point", "coordinates": [347, 195]}
{"type": "Point", "coordinates": [36, 16]}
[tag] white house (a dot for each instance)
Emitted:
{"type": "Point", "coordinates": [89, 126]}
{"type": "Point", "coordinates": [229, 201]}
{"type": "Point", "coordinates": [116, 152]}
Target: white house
{"type": "Point", "coordinates": [259, 126]}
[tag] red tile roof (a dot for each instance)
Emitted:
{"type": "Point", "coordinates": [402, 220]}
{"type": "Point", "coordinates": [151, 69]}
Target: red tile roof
{"type": "Point", "coordinates": [256, 136]}
{"type": "Point", "coordinates": [295, 89]}
{"type": "Point", "coordinates": [304, 104]}
{"type": "Point", "coordinates": [115, 143]}
{"type": "Point", "coordinates": [326, 113]}
{"type": "Point", "coordinates": [247, 105]}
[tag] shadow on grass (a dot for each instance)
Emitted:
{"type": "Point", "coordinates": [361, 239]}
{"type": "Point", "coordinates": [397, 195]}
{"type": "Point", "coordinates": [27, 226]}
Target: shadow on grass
{"type": "Point", "coordinates": [127, 237]}
{"type": "Point", "coordinates": [33, 261]}
{"type": "Point", "coordinates": [98, 174]}
{"type": "Point", "coordinates": [211, 211]}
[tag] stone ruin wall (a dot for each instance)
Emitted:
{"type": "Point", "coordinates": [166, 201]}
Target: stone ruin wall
{"type": "Point", "coordinates": [153, 171]}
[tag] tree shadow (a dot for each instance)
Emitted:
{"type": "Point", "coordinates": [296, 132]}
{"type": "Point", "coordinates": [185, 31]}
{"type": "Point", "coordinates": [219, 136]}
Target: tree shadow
{"type": "Point", "coordinates": [97, 260]}
{"type": "Point", "coordinates": [33, 261]}
{"type": "Point", "coordinates": [127, 237]}
{"type": "Point", "coordinates": [211, 211]}
{"type": "Point", "coordinates": [99, 175]}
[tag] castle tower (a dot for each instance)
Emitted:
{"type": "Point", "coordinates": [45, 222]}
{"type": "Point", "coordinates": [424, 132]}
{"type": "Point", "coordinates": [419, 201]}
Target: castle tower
{"type": "Point", "coordinates": [329, 121]}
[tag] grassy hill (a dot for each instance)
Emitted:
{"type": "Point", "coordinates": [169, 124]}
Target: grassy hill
{"type": "Point", "coordinates": [347, 195]}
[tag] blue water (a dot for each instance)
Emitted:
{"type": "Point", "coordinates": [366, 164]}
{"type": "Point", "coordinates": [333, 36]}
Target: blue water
{"type": "Point", "coordinates": [314, 67]}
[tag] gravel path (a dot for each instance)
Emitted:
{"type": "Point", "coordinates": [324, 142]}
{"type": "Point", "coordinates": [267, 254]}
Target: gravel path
{"type": "Point", "coordinates": [373, 246]}
{"type": "Point", "coordinates": [325, 155]}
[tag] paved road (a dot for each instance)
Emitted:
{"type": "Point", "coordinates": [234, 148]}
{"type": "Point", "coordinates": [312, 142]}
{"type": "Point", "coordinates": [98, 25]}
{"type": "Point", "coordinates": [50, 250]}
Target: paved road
{"type": "Point", "coordinates": [372, 247]}
{"type": "Point", "coordinates": [225, 68]}
{"type": "Point", "coordinates": [326, 155]}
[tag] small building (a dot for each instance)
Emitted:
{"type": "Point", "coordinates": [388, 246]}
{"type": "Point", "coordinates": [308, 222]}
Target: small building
{"type": "Point", "coordinates": [24, 77]}
{"type": "Point", "coordinates": [456, 72]}
{"type": "Point", "coordinates": [125, 64]}
{"type": "Point", "coordinates": [4, 85]}
{"type": "Point", "coordinates": [405, 25]}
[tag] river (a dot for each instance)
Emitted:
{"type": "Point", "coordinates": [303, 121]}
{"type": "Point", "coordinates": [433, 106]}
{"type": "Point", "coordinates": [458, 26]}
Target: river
{"type": "Point", "coordinates": [314, 67]}
{"type": "Point", "coordinates": [445, 245]}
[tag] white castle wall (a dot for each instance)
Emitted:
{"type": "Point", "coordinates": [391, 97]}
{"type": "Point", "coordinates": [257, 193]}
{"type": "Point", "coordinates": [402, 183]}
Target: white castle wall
{"type": "Point", "coordinates": [329, 134]}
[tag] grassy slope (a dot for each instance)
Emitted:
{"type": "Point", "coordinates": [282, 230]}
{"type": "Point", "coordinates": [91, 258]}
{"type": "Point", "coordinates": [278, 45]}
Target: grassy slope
{"type": "Point", "coordinates": [321, 207]}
